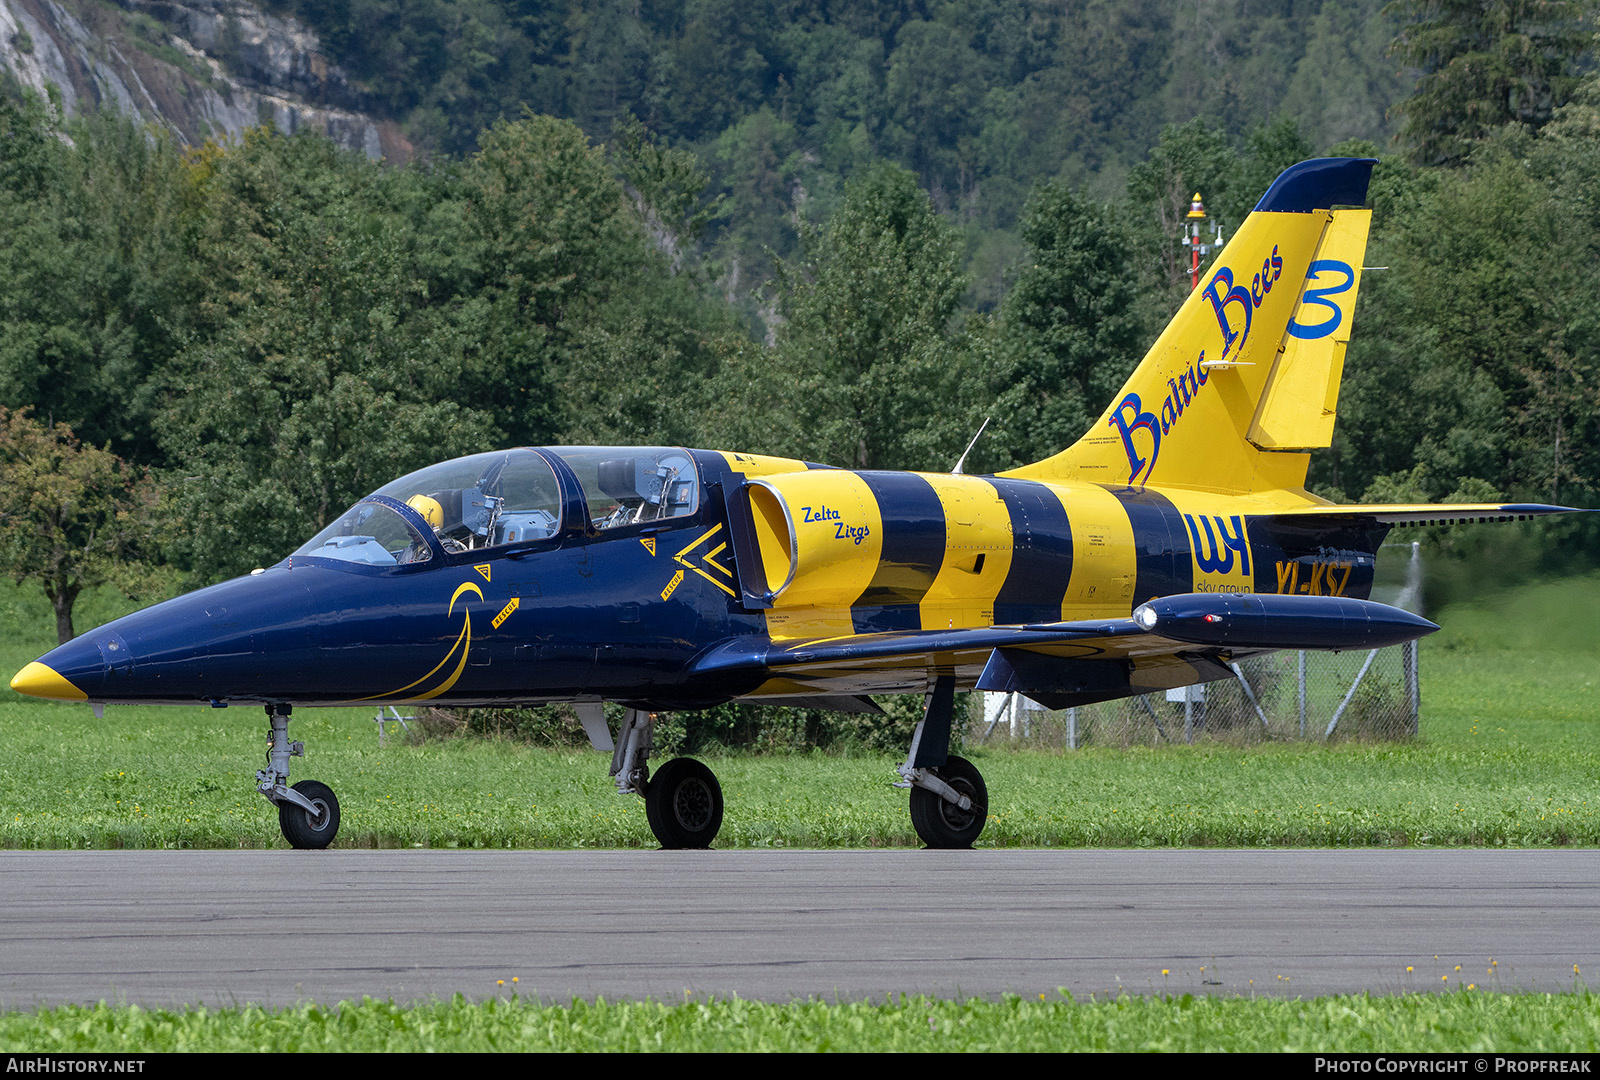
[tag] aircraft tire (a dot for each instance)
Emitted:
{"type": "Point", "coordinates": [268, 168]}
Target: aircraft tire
{"type": "Point", "coordinates": [683, 803]}
{"type": "Point", "coordinates": [943, 824]}
{"type": "Point", "coordinates": [301, 829]}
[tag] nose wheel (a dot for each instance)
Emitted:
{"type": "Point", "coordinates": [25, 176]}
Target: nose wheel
{"type": "Point", "coordinates": [308, 812]}
{"type": "Point", "coordinates": [314, 828]}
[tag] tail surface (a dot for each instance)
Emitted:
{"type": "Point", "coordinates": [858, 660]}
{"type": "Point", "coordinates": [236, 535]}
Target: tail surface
{"type": "Point", "coordinates": [1244, 381]}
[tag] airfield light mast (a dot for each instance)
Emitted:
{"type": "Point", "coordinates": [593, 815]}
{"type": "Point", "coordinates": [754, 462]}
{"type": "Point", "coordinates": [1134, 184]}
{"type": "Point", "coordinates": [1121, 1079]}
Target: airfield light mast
{"type": "Point", "coordinates": [1191, 239]}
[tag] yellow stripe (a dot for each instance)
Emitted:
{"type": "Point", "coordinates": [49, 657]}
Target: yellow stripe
{"type": "Point", "coordinates": [1104, 561]}
{"type": "Point", "coordinates": [713, 580]}
{"type": "Point", "coordinates": [696, 541]}
{"type": "Point", "coordinates": [1205, 509]}
{"type": "Point", "coordinates": [836, 544]}
{"type": "Point", "coordinates": [752, 465]}
{"type": "Point", "coordinates": [460, 665]}
{"type": "Point", "coordinates": [710, 559]}
{"type": "Point", "coordinates": [976, 523]}
{"type": "Point", "coordinates": [459, 639]}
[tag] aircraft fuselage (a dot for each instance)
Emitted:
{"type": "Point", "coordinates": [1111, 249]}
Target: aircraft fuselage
{"type": "Point", "coordinates": [620, 614]}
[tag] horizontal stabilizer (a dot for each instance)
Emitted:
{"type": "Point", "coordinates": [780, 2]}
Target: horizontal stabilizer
{"type": "Point", "coordinates": [1441, 514]}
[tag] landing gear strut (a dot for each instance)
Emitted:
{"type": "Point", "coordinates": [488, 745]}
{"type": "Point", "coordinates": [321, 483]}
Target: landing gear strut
{"type": "Point", "coordinates": [949, 802]}
{"type": "Point", "coordinates": [682, 801]}
{"type": "Point", "coordinates": [308, 813]}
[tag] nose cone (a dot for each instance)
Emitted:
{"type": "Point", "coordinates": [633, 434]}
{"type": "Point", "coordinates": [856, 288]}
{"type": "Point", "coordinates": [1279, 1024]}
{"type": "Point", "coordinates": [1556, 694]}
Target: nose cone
{"type": "Point", "coordinates": [42, 681]}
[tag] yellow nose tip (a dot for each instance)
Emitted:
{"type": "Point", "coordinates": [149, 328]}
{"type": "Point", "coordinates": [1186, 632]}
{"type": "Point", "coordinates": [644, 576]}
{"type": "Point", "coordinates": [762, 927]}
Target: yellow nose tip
{"type": "Point", "coordinates": [40, 680]}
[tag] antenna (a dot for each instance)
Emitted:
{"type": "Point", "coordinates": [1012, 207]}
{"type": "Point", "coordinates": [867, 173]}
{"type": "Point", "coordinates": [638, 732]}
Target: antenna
{"type": "Point", "coordinates": [963, 460]}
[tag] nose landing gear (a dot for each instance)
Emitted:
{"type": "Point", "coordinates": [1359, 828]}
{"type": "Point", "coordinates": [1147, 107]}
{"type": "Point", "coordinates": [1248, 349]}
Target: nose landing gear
{"type": "Point", "coordinates": [313, 828]}
{"type": "Point", "coordinates": [308, 812]}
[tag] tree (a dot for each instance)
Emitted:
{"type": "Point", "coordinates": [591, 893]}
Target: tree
{"type": "Point", "coordinates": [552, 237]}
{"type": "Point", "coordinates": [320, 370]}
{"type": "Point", "coordinates": [1072, 322]}
{"type": "Point", "coordinates": [869, 335]}
{"type": "Point", "coordinates": [934, 85]}
{"type": "Point", "coordinates": [1191, 157]}
{"type": "Point", "coordinates": [67, 511]}
{"type": "Point", "coordinates": [95, 282]}
{"type": "Point", "coordinates": [1485, 64]}
{"type": "Point", "coordinates": [1342, 86]}
{"type": "Point", "coordinates": [665, 185]}
{"type": "Point", "coordinates": [1562, 413]}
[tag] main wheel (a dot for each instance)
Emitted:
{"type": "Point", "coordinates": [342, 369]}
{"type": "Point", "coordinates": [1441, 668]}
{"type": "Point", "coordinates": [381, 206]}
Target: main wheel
{"type": "Point", "coordinates": [683, 803]}
{"type": "Point", "coordinates": [306, 830]}
{"type": "Point", "coordinates": [943, 824]}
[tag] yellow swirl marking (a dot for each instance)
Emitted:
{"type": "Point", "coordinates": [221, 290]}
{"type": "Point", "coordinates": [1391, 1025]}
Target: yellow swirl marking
{"type": "Point", "coordinates": [463, 642]}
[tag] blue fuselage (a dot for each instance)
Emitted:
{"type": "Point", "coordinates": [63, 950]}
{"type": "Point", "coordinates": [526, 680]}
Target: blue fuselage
{"type": "Point", "coordinates": [580, 615]}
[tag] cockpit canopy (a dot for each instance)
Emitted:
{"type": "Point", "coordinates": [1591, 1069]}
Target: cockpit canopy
{"type": "Point", "coordinates": [510, 497]}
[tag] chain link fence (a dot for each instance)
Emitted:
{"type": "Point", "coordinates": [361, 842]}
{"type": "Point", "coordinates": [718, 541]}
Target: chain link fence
{"type": "Point", "coordinates": [1291, 695]}
{"type": "Point", "coordinates": [1372, 695]}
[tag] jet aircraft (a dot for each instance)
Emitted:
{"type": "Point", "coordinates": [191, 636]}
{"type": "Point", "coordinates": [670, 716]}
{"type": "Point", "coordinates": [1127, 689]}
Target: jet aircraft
{"type": "Point", "coordinates": [1171, 540]}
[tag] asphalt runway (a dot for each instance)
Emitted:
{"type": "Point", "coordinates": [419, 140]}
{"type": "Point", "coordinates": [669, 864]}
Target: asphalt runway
{"type": "Point", "coordinates": [276, 927]}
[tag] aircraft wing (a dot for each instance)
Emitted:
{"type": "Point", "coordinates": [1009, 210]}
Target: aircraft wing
{"type": "Point", "coordinates": [1169, 642]}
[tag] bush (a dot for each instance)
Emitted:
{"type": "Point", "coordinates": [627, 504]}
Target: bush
{"type": "Point", "coordinates": [731, 726]}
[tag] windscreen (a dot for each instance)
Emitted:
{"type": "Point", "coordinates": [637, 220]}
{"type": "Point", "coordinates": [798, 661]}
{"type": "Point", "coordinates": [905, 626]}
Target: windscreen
{"type": "Point", "coordinates": [471, 503]}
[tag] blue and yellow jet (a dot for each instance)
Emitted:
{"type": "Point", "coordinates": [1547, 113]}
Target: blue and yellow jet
{"type": "Point", "coordinates": [1171, 540]}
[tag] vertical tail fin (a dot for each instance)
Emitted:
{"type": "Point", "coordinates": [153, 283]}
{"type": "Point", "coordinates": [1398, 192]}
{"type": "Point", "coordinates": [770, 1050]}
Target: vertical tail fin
{"type": "Point", "coordinates": [1245, 378]}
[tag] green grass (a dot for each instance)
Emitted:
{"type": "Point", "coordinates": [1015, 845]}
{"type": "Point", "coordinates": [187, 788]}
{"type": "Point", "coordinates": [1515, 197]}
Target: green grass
{"type": "Point", "coordinates": [1508, 758]}
{"type": "Point", "coordinates": [1465, 1021]}
{"type": "Point", "coordinates": [1517, 670]}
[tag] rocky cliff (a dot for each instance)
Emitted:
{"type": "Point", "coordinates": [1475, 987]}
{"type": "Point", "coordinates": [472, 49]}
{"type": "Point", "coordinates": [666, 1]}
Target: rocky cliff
{"type": "Point", "coordinates": [202, 68]}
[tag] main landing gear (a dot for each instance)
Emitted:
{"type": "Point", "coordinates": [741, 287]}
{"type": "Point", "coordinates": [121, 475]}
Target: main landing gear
{"type": "Point", "coordinates": [308, 813]}
{"type": "Point", "coordinates": [682, 801]}
{"type": "Point", "coordinates": [949, 802]}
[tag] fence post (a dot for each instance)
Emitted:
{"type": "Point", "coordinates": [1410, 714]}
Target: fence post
{"type": "Point", "coordinates": [1410, 656]}
{"type": "Point", "coordinates": [1413, 687]}
{"type": "Point", "coordinates": [1362, 674]}
{"type": "Point", "coordinates": [1250, 695]}
{"type": "Point", "coordinates": [1302, 693]}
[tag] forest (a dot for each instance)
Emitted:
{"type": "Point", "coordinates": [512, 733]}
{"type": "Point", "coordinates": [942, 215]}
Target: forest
{"type": "Point", "coordinates": [847, 233]}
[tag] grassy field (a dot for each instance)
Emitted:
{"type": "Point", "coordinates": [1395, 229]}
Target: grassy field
{"type": "Point", "coordinates": [1508, 756]}
{"type": "Point", "coordinates": [1462, 1022]}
